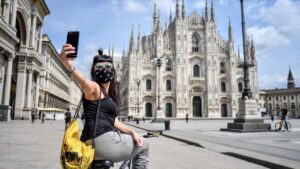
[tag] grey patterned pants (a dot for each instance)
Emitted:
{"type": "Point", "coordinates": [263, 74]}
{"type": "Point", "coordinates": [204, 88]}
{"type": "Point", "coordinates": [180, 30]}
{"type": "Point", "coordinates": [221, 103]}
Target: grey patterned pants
{"type": "Point", "coordinates": [119, 147]}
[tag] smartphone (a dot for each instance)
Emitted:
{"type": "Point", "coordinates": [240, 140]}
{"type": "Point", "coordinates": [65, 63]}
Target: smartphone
{"type": "Point", "coordinates": [73, 39]}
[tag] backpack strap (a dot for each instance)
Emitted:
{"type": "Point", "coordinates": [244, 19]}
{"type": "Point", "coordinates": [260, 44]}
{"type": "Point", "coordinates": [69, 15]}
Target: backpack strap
{"type": "Point", "coordinates": [96, 120]}
{"type": "Point", "coordinates": [78, 108]}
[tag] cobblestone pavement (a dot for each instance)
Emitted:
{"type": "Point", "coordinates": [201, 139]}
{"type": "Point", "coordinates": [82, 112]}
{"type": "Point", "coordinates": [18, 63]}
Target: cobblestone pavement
{"type": "Point", "coordinates": [25, 145]}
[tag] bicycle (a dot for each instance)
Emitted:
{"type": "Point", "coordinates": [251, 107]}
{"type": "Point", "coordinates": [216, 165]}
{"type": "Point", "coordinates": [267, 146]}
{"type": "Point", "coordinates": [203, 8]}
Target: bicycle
{"type": "Point", "coordinates": [279, 128]}
{"type": "Point", "coordinates": [107, 164]}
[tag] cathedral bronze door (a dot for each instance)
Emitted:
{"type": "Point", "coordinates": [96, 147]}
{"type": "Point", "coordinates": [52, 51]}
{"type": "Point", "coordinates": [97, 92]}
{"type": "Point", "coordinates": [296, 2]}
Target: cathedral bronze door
{"type": "Point", "coordinates": [148, 110]}
{"type": "Point", "coordinates": [224, 110]}
{"type": "Point", "coordinates": [197, 107]}
{"type": "Point", "coordinates": [168, 110]}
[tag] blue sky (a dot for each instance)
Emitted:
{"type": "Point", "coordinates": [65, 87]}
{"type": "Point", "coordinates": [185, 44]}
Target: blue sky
{"type": "Point", "coordinates": [273, 24]}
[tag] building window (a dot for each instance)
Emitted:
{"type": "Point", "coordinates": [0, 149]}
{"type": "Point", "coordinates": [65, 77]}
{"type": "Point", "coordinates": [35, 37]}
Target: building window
{"type": "Point", "coordinates": [284, 105]}
{"type": "Point", "coordinates": [240, 86]}
{"type": "Point", "coordinates": [195, 43]}
{"type": "Point", "coordinates": [270, 106]}
{"type": "Point", "coordinates": [277, 98]}
{"type": "Point", "coordinates": [222, 67]}
{"type": "Point", "coordinates": [292, 97]}
{"type": "Point", "coordinates": [270, 98]}
{"type": "Point", "coordinates": [168, 85]}
{"type": "Point", "coordinates": [196, 71]}
{"type": "Point", "coordinates": [148, 84]}
{"type": "Point", "coordinates": [223, 86]}
{"type": "Point", "coordinates": [169, 110]}
{"type": "Point", "coordinates": [293, 106]}
{"type": "Point", "coordinates": [284, 97]}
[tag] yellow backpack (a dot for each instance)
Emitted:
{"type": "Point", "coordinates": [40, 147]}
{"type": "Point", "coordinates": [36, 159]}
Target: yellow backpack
{"type": "Point", "coordinates": [76, 154]}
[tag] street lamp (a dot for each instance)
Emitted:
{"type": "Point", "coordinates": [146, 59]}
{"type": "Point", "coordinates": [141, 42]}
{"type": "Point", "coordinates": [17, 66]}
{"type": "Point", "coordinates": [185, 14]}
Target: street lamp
{"type": "Point", "coordinates": [158, 63]}
{"type": "Point", "coordinates": [138, 82]}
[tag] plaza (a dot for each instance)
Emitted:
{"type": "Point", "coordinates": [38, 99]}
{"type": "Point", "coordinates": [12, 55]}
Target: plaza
{"type": "Point", "coordinates": [25, 145]}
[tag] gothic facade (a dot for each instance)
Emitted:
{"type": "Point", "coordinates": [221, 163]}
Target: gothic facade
{"type": "Point", "coordinates": [184, 68]}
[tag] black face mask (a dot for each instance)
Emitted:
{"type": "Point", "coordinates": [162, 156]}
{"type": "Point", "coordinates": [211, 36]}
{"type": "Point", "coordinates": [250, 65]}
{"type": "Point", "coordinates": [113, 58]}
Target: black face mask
{"type": "Point", "coordinates": [104, 74]}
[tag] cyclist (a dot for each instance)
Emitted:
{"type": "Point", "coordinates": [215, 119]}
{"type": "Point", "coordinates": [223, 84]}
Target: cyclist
{"type": "Point", "coordinates": [284, 118]}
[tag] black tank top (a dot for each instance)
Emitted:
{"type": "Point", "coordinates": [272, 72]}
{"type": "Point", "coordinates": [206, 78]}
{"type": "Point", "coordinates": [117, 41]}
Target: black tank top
{"type": "Point", "coordinates": [106, 118]}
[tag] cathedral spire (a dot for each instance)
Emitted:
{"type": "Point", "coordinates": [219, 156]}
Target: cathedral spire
{"type": "Point", "coordinates": [252, 49]}
{"type": "Point", "coordinates": [212, 11]}
{"type": "Point", "coordinates": [291, 82]}
{"type": "Point", "coordinates": [155, 17]}
{"type": "Point", "coordinates": [170, 17]}
{"type": "Point", "coordinates": [230, 38]}
{"type": "Point", "coordinates": [109, 48]}
{"type": "Point", "coordinates": [112, 51]}
{"type": "Point", "coordinates": [139, 39]}
{"type": "Point", "coordinates": [131, 45]}
{"type": "Point", "coordinates": [183, 9]}
{"type": "Point", "coordinates": [177, 10]}
{"type": "Point", "coordinates": [206, 11]}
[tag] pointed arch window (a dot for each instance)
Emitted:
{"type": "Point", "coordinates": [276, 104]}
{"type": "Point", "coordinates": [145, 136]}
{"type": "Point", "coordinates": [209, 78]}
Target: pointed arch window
{"type": "Point", "coordinates": [169, 65]}
{"type": "Point", "coordinates": [196, 71]}
{"type": "Point", "coordinates": [148, 84]}
{"type": "Point", "coordinates": [168, 85]}
{"type": "Point", "coordinates": [195, 43]}
{"type": "Point", "coordinates": [222, 67]}
{"type": "Point", "coordinates": [240, 86]}
{"type": "Point", "coordinates": [223, 86]}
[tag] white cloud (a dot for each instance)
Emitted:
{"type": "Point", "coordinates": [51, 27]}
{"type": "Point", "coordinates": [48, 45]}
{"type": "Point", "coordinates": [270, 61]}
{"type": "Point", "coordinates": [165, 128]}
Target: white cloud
{"type": "Point", "coordinates": [268, 81]}
{"type": "Point", "coordinates": [200, 4]}
{"type": "Point", "coordinates": [134, 6]}
{"type": "Point", "coordinates": [164, 7]}
{"type": "Point", "coordinates": [267, 39]}
{"type": "Point", "coordinates": [283, 15]}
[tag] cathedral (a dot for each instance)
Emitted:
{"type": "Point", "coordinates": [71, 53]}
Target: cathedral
{"type": "Point", "coordinates": [184, 68]}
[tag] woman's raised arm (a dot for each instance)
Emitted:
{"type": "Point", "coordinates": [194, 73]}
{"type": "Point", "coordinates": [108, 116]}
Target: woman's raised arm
{"type": "Point", "coordinates": [88, 87]}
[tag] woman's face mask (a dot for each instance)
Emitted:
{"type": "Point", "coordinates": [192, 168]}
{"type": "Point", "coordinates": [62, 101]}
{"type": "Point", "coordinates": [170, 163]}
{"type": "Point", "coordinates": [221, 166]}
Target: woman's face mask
{"type": "Point", "coordinates": [104, 72]}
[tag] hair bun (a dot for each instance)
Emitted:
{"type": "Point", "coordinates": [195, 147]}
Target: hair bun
{"type": "Point", "coordinates": [100, 51]}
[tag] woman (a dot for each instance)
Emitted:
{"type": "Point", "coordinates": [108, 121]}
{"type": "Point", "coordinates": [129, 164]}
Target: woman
{"type": "Point", "coordinates": [110, 144]}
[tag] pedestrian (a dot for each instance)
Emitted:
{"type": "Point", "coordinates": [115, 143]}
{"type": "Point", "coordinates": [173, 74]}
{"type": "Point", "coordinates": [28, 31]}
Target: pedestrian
{"type": "Point", "coordinates": [40, 114]}
{"type": "Point", "coordinates": [186, 118]}
{"type": "Point", "coordinates": [43, 117]}
{"type": "Point", "coordinates": [32, 116]}
{"type": "Point", "coordinates": [54, 116]}
{"type": "Point", "coordinates": [68, 117]}
{"type": "Point", "coordinates": [113, 141]}
{"type": "Point", "coordinates": [272, 117]}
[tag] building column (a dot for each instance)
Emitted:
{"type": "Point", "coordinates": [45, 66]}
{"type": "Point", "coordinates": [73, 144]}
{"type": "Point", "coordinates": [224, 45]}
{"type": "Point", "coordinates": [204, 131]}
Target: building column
{"type": "Point", "coordinates": [34, 15]}
{"type": "Point", "coordinates": [29, 88]}
{"type": "Point", "coordinates": [21, 88]}
{"type": "Point", "coordinates": [41, 40]}
{"type": "Point", "coordinates": [14, 13]}
{"type": "Point", "coordinates": [1, 80]}
{"type": "Point", "coordinates": [36, 105]}
{"type": "Point", "coordinates": [6, 10]}
{"type": "Point", "coordinates": [8, 80]}
{"type": "Point", "coordinates": [0, 14]}
{"type": "Point", "coordinates": [29, 21]}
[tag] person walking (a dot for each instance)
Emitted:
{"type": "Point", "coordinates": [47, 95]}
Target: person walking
{"type": "Point", "coordinates": [32, 116]}
{"type": "Point", "coordinates": [43, 117]}
{"type": "Point", "coordinates": [113, 140]}
{"type": "Point", "coordinates": [68, 117]}
{"type": "Point", "coordinates": [186, 118]}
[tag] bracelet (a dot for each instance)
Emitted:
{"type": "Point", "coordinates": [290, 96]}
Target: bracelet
{"type": "Point", "coordinates": [72, 71]}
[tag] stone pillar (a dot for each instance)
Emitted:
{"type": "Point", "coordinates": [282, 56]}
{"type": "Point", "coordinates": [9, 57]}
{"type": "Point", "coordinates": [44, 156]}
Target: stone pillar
{"type": "Point", "coordinates": [28, 31]}
{"type": "Point", "coordinates": [1, 81]}
{"type": "Point", "coordinates": [41, 40]}
{"type": "Point", "coordinates": [21, 88]}
{"type": "Point", "coordinates": [6, 10]}
{"type": "Point", "coordinates": [34, 15]}
{"type": "Point", "coordinates": [8, 80]}
{"type": "Point", "coordinates": [14, 13]}
{"type": "Point", "coordinates": [36, 105]}
{"type": "Point", "coordinates": [29, 88]}
{"type": "Point", "coordinates": [0, 14]}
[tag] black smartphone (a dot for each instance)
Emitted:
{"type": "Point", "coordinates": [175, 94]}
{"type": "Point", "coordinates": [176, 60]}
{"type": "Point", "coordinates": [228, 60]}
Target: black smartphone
{"type": "Point", "coordinates": [73, 39]}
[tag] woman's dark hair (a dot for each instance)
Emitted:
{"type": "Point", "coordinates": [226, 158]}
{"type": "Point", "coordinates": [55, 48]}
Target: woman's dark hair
{"type": "Point", "coordinates": [113, 88]}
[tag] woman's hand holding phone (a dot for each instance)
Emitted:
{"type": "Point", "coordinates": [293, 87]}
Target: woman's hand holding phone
{"type": "Point", "coordinates": [68, 62]}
